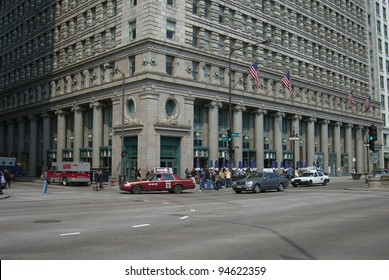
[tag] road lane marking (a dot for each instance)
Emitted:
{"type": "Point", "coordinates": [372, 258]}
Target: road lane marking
{"type": "Point", "coordinates": [70, 233]}
{"type": "Point", "coordinates": [143, 225]}
{"type": "Point", "coordinates": [184, 217]}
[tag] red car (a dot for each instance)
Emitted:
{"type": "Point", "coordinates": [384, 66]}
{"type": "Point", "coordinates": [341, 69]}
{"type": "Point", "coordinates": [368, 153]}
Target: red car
{"type": "Point", "coordinates": [159, 182]}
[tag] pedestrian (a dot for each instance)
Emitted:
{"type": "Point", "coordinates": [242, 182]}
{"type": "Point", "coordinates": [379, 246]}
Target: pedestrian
{"type": "Point", "coordinates": [187, 173]}
{"type": "Point", "coordinates": [207, 177]}
{"type": "Point", "coordinates": [139, 174]}
{"type": "Point", "coordinates": [289, 173]}
{"type": "Point", "coordinates": [202, 180]}
{"type": "Point", "coordinates": [7, 177]}
{"type": "Point", "coordinates": [228, 178]}
{"type": "Point", "coordinates": [44, 179]}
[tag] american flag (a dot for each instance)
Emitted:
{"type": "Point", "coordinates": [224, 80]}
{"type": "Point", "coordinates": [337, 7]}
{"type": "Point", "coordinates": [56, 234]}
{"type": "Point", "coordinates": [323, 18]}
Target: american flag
{"type": "Point", "coordinates": [287, 82]}
{"type": "Point", "coordinates": [350, 98]}
{"type": "Point", "coordinates": [367, 104]}
{"type": "Point", "coordinates": [254, 73]}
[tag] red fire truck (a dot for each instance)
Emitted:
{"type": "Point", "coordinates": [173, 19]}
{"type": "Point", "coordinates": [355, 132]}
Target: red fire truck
{"type": "Point", "coordinates": [69, 173]}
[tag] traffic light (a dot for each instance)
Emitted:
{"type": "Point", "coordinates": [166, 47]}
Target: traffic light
{"type": "Point", "coordinates": [371, 133]}
{"type": "Point", "coordinates": [229, 139]}
{"type": "Point", "coordinates": [374, 132]}
{"type": "Point", "coordinates": [372, 145]}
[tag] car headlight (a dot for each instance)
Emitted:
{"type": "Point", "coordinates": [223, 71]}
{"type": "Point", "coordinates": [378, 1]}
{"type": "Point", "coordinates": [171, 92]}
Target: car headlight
{"type": "Point", "coordinates": [249, 183]}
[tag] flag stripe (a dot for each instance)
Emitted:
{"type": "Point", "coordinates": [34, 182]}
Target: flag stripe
{"type": "Point", "coordinates": [368, 103]}
{"type": "Point", "coordinates": [350, 98]}
{"type": "Point", "coordinates": [286, 81]}
{"type": "Point", "coordinates": [254, 73]}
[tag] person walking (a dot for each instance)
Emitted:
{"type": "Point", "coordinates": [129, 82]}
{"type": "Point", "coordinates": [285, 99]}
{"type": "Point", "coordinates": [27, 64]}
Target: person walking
{"type": "Point", "coordinates": [207, 177]}
{"type": "Point", "coordinates": [7, 177]}
{"type": "Point", "coordinates": [44, 186]}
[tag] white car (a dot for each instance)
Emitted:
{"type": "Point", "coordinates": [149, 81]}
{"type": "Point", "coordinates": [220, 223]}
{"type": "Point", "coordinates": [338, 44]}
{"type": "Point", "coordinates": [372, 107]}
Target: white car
{"type": "Point", "coordinates": [309, 178]}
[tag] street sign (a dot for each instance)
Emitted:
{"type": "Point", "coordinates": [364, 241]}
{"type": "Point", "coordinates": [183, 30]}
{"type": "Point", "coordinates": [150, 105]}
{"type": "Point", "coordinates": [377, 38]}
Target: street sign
{"type": "Point", "coordinates": [223, 138]}
{"type": "Point", "coordinates": [374, 157]}
{"type": "Point", "coordinates": [234, 134]}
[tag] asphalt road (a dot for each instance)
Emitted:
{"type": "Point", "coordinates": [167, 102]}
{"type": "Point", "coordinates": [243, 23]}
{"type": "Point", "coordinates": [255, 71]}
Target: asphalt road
{"type": "Point", "coordinates": [341, 221]}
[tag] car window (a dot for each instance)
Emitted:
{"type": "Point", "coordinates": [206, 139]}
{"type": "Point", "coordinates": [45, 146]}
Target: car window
{"type": "Point", "coordinates": [156, 178]}
{"type": "Point", "coordinates": [168, 177]}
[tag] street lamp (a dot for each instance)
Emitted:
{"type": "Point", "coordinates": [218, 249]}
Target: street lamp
{"type": "Point", "coordinates": [229, 81]}
{"type": "Point", "coordinates": [294, 137]}
{"type": "Point", "coordinates": [123, 152]}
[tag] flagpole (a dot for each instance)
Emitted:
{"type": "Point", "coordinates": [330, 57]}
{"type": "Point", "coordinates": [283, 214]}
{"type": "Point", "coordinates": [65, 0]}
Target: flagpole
{"type": "Point", "coordinates": [230, 86]}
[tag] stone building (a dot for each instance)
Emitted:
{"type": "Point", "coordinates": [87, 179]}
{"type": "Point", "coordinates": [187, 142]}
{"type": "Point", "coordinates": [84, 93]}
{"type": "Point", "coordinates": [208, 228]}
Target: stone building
{"type": "Point", "coordinates": [68, 65]}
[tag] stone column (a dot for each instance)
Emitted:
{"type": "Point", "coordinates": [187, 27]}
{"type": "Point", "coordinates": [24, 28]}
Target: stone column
{"type": "Point", "coordinates": [296, 144]}
{"type": "Point", "coordinates": [310, 140]}
{"type": "Point", "coordinates": [33, 147]}
{"type": "Point", "coordinates": [237, 128]}
{"type": "Point", "coordinates": [337, 149]}
{"type": "Point", "coordinates": [61, 132]}
{"type": "Point", "coordinates": [46, 137]}
{"type": "Point", "coordinates": [213, 131]}
{"type": "Point", "coordinates": [277, 133]}
{"type": "Point", "coordinates": [349, 147]}
{"type": "Point", "coordinates": [324, 143]}
{"type": "Point", "coordinates": [21, 137]}
{"type": "Point", "coordinates": [359, 149]}
{"type": "Point", "coordinates": [78, 132]}
{"type": "Point", "coordinates": [97, 132]}
{"type": "Point", "coordinates": [258, 137]}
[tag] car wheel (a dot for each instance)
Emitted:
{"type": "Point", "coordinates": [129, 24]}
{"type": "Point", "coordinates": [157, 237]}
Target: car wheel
{"type": "Point", "coordinates": [238, 191]}
{"type": "Point", "coordinates": [257, 189]}
{"type": "Point", "coordinates": [310, 183]}
{"type": "Point", "coordinates": [136, 189]}
{"type": "Point", "coordinates": [177, 189]}
{"type": "Point", "coordinates": [65, 181]}
{"type": "Point", "coordinates": [325, 182]}
{"type": "Point", "coordinates": [280, 187]}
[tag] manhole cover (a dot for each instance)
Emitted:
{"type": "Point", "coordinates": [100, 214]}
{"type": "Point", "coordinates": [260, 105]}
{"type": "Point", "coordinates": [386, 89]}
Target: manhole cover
{"type": "Point", "coordinates": [47, 221]}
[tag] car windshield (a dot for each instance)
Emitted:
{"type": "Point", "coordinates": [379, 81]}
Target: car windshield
{"type": "Point", "coordinates": [306, 174]}
{"type": "Point", "coordinates": [252, 175]}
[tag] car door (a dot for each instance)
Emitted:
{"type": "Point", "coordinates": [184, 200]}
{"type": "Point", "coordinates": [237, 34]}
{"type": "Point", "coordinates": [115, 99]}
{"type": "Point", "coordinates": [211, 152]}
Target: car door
{"type": "Point", "coordinates": [153, 183]}
{"type": "Point", "coordinates": [266, 181]}
{"type": "Point", "coordinates": [168, 178]}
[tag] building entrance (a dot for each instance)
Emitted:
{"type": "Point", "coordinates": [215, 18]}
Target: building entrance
{"type": "Point", "coordinates": [170, 153]}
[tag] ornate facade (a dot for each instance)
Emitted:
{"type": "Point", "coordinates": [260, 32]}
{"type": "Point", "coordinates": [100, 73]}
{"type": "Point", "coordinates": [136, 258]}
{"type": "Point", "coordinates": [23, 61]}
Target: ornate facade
{"type": "Point", "coordinates": [61, 87]}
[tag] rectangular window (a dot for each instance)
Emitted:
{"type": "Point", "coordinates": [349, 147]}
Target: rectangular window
{"type": "Point", "coordinates": [195, 6]}
{"type": "Point", "coordinates": [133, 3]}
{"type": "Point", "coordinates": [113, 37]}
{"type": "Point", "coordinates": [132, 31]}
{"type": "Point", "coordinates": [207, 70]}
{"type": "Point", "coordinates": [83, 45]}
{"type": "Point", "coordinates": [221, 13]}
{"type": "Point", "coordinates": [195, 36]}
{"type": "Point", "coordinates": [102, 74]}
{"type": "Point", "coordinates": [207, 40]}
{"type": "Point", "coordinates": [170, 2]}
{"type": "Point", "coordinates": [207, 9]}
{"type": "Point", "coordinates": [221, 75]}
{"type": "Point", "coordinates": [104, 6]}
{"type": "Point", "coordinates": [131, 65]}
{"type": "Point", "coordinates": [231, 18]}
{"type": "Point", "coordinates": [169, 65]}
{"type": "Point", "coordinates": [253, 26]}
{"type": "Point", "coordinates": [222, 39]}
{"type": "Point", "coordinates": [103, 41]}
{"type": "Point", "coordinates": [92, 45]}
{"type": "Point", "coordinates": [84, 20]}
{"type": "Point", "coordinates": [244, 51]}
{"type": "Point", "coordinates": [93, 12]}
{"type": "Point", "coordinates": [195, 70]}
{"type": "Point", "coordinates": [170, 29]}
{"type": "Point", "coordinates": [244, 23]}
{"type": "Point", "coordinates": [114, 7]}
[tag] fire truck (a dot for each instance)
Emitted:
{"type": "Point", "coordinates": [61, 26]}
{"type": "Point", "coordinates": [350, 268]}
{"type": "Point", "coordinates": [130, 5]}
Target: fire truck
{"type": "Point", "coordinates": [67, 173]}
